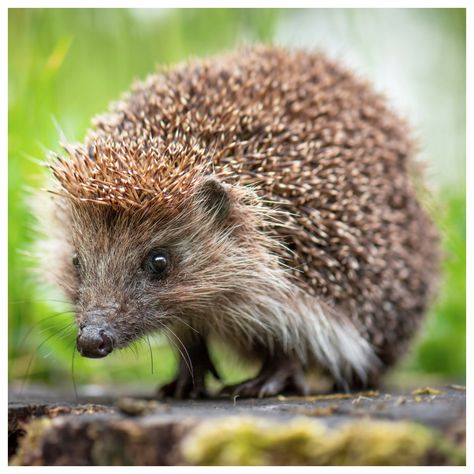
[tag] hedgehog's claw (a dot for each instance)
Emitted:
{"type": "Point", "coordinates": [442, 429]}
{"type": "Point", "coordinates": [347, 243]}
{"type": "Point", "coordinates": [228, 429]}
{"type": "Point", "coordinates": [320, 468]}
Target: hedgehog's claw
{"type": "Point", "coordinates": [183, 386]}
{"type": "Point", "coordinates": [274, 378]}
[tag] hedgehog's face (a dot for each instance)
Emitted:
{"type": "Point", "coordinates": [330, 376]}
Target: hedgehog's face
{"type": "Point", "coordinates": [134, 273]}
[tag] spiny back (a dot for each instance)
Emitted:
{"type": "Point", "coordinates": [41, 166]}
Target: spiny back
{"type": "Point", "coordinates": [240, 112]}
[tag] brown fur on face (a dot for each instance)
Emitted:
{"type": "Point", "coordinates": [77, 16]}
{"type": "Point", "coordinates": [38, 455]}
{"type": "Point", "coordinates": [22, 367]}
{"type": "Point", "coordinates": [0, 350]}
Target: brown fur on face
{"type": "Point", "coordinates": [111, 278]}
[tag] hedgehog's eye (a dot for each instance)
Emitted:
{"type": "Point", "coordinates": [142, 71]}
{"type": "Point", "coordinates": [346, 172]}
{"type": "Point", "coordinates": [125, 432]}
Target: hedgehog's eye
{"type": "Point", "coordinates": [76, 261]}
{"type": "Point", "coordinates": [156, 263]}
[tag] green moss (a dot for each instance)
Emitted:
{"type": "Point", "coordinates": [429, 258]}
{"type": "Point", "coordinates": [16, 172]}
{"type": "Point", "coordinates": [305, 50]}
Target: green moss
{"type": "Point", "coordinates": [139, 407]}
{"type": "Point", "coordinates": [426, 391]}
{"type": "Point", "coordinates": [252, 441]}
{"type": "Point", "coordinates": [331, 396]}
{"type": "Point", "coordinates": [29, 451]}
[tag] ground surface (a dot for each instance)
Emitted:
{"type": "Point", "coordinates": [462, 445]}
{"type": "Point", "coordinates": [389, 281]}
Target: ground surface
{"type": "Point", "coordinates": [48, 428]}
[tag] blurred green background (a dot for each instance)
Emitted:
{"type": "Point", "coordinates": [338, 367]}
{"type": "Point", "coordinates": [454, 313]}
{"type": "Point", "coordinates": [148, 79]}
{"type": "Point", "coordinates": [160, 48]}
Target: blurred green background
{"type": "Point", "coordinates": [65, 65]}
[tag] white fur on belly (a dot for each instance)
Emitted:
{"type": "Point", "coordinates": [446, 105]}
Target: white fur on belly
{"type": "Point", "coordinates": [302, 325]}
{"type": "Point", "coordinates": [336, 343]}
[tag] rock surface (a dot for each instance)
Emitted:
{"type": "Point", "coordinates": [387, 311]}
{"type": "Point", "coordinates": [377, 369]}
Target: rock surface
{"type": "Point", "coordinates": [423, 426]}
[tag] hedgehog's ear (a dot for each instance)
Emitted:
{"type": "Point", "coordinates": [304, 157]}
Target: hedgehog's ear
{"type": "Point", "coordinates": [213, 197]}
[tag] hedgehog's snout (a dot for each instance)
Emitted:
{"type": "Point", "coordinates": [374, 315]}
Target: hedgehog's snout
{"type": "Point", "coordinates": [95, 338]}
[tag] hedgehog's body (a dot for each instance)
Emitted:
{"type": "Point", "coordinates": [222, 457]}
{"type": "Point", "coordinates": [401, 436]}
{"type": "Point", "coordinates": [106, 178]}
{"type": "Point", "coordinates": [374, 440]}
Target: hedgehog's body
{"type": "Point", "coordinates": [271, 191]}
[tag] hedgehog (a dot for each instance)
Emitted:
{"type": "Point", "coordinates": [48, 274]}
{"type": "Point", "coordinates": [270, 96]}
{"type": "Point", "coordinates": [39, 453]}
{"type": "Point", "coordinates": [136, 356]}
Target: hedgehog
{"type": "Point", "coordinates": [265, 198]}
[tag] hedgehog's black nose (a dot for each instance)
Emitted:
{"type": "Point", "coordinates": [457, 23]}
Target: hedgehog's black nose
{"type": "Point", "coordinates": [94, 342]}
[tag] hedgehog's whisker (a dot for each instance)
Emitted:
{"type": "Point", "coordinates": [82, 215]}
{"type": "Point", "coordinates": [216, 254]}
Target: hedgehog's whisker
{"type": "Point", "coordinates": [184, 355]}
{"type": "Point", "coordinates": [61, 331]}
{"type": "Point", "coordinates": [182, 321]}
{"type": "Point", "coordinates": [73, 376]}
{"type": "Point", "coordinates": [151, 355]}
{"type": "Point", "coordinates": [39, 300]}
{"type": "Point", "coordinates": [34, 325]}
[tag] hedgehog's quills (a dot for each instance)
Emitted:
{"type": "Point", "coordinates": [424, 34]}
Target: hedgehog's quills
{"type": "Point", "coordinates": [262, 197]}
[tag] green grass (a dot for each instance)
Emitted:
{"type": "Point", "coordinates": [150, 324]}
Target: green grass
{"type": "Point", "coordinates": [66, 65]}
{"type": "Point", "coordinates": [442, 345]}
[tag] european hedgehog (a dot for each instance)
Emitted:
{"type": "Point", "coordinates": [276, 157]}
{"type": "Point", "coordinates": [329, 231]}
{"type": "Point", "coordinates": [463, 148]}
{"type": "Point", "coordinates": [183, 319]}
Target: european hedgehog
{"type": "Point", "coordinates": [264, 197]}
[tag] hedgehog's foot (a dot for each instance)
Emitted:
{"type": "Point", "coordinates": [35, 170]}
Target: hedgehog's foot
{"type": "Point", "coordinates": [356, 384]}
{"type": "Point", "coordinates": [275, 377]}
{"type": "Point", "coordinates": [184, 386]}
{"type": "Point", "coordinates": [190, 381]}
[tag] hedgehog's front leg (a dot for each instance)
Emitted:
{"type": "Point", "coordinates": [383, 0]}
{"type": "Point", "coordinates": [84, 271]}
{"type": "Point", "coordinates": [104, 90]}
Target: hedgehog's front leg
{"type": "Point", "coordinates": [194, 365]}
{"type": "Point", "coordinates": [277, 375]}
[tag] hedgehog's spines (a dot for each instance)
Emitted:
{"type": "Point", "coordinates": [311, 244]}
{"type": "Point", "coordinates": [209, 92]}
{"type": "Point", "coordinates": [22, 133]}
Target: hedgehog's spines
{"type": "Point", "coordinates": [319, 168]}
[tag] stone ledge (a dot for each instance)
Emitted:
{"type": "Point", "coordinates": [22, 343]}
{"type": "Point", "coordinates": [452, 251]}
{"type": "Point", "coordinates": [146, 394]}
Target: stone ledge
{"type": "Point", "coordinates": [416, 427]}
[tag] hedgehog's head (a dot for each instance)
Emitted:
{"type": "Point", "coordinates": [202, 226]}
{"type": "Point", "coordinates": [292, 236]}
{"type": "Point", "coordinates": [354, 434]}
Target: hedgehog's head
{"type": "Point", "coordinates": [133, 265]}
